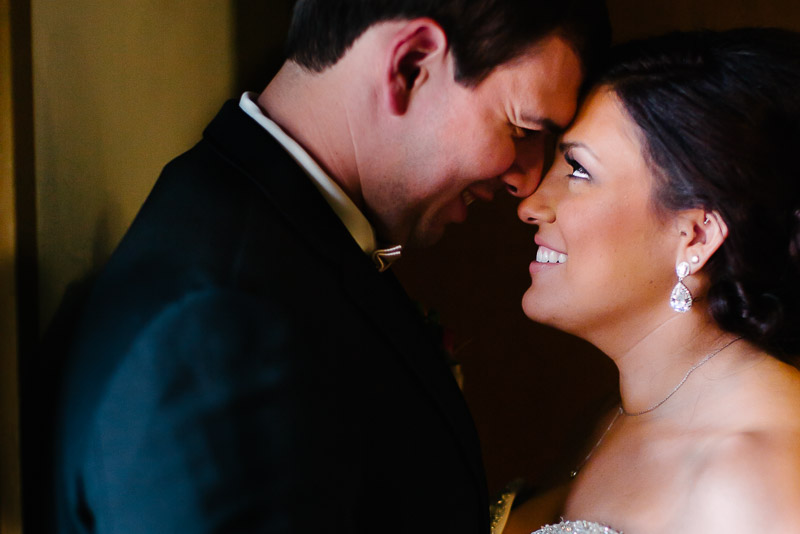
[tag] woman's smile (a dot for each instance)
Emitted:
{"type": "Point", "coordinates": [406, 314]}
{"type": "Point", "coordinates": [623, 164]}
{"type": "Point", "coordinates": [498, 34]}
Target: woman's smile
{"type": "Point", "coordinates": [546, 255]}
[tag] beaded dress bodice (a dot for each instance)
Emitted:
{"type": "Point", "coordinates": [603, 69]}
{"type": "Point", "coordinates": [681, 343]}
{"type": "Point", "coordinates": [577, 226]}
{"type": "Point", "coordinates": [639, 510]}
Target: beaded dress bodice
{"type": "Point", "coordinates": [576, 527]}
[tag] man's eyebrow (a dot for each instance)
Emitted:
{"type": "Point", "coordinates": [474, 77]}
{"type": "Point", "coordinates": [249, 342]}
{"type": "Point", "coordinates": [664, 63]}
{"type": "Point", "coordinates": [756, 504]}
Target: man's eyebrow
{"type": "Point", "coordinates": [547, 125]}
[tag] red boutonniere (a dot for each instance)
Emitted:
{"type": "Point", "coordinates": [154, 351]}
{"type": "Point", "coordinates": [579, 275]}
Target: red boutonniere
{"type": "Point", "coordinates": [446, 339]}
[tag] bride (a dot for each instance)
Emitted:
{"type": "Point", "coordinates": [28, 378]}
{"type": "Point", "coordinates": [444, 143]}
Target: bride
{"type": "Point", "coordinates": [669, 237]}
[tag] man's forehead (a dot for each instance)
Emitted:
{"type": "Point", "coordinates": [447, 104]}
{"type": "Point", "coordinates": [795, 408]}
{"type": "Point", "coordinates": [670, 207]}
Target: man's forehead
{"type": "Point", "coordinates": [547, 50]}
{"type": "Point", "coordinates": [555, 89]}
{"type": "Point", "coordinates": [538, 90]}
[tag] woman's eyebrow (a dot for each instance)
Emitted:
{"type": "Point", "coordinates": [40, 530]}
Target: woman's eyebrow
{"type": "Point", "coordinates": [565, 146]}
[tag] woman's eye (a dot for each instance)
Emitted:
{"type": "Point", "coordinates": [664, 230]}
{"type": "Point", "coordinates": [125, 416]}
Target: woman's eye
{"type": "Point", "coordinates": [577, 169]}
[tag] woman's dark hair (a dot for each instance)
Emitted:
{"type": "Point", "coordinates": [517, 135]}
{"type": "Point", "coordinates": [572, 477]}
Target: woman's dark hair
{"type": "Point", "coordinates": [719, 120]}
{"type": "Point", "coordinates": [482, 33]}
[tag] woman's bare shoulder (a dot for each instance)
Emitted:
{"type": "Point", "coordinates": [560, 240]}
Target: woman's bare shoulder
{"type": "Point", "coordinates": [762, 394]}
{"type": "Point", "coordinates": [747, 477]}
{"type": "Point", "coordinates": [748, 481]}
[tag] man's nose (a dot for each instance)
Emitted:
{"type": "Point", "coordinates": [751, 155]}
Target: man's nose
{"type": "Point", "coordinates": [540, 207]}
{"type": "Point", "coordinates": [536, 210]}
{"type": "Point", "coordinates": [524, 175]}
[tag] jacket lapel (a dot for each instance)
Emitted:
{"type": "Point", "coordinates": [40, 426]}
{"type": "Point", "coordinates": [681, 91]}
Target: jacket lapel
{"type": "Point", "coordinates": [385, 302]}
{"type": "Point", "coordinates": [246, 145]}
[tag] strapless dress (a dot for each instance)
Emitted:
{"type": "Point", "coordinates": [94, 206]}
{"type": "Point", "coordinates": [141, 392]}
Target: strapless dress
{"type": "Point", "coordinates": [577, 527]}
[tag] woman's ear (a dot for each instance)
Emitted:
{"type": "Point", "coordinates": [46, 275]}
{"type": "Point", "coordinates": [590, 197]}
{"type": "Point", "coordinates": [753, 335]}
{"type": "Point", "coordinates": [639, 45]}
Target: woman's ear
{"type": "Point", "coordinates": [417, 50]}
{"type": "Point", "coordinates": [702, 233]}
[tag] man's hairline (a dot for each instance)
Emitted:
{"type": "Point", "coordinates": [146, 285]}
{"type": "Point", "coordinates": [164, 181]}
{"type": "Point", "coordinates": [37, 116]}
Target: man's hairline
{"type": "Point", "coordinates": [471, 83]}
{"type": "Point", "coordinates": [525, 52]}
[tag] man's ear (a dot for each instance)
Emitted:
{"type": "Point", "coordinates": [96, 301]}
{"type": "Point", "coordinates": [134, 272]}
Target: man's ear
{"type": "Point", "coordinates": [417, 49]}
{"type": "Point", "coordinates": [702, 233]}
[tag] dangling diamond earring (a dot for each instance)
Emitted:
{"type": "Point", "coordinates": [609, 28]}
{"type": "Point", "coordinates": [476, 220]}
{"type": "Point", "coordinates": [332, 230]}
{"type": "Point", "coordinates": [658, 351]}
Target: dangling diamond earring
{"type": "Point", "coordinates": [681, 297]}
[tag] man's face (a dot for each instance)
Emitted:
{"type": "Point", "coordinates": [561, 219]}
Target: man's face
{"type": "Point", "coordinates": [457, 144]}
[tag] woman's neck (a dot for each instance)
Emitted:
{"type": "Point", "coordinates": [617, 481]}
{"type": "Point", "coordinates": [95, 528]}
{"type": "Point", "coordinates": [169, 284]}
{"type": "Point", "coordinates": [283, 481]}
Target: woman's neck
{"type": "Point", "coordinates": [658, 364]}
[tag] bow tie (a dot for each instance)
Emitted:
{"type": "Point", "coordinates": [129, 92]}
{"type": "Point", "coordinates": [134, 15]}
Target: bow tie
{"type": "Point", "coordinates": [385, 257]}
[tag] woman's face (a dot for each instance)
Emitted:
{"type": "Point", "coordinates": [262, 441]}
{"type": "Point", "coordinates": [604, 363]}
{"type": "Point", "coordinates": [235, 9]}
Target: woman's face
{"type": "Point", "coordinates": [606, 259]}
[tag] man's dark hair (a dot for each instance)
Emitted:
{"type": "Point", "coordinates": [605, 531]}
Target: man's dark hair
{"type": "Point", "coordinates": [483, 34]}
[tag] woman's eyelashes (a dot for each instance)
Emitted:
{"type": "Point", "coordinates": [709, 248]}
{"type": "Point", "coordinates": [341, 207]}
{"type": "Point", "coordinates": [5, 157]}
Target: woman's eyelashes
{"type": "Point", "coordinates": [578, 171]}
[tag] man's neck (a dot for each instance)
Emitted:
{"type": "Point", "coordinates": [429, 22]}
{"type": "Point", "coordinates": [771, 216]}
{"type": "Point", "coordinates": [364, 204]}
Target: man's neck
{"type": "Point", "coordinates": [308, 107]}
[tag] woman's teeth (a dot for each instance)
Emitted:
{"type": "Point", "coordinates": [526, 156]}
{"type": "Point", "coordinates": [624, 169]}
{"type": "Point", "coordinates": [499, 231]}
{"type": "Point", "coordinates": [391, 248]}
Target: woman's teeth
{"type": "Point", "coordinates": [545, 255]}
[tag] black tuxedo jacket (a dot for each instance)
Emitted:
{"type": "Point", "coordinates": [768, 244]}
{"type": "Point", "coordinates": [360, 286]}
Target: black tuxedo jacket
{"type": "Point", "coordinates": [242, 366]}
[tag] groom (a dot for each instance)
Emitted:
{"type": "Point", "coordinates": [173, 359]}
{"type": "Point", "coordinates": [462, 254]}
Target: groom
{"type": "Point", "coordinates": [246, 362]}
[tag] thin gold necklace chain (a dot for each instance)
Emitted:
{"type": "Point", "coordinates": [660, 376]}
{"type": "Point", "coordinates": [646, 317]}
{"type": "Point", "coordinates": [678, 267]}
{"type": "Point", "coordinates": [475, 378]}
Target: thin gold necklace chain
{"type": "Point", "coordinates": [691, 370]}
{"type": "Point", "coordinates": [621, 410]}
{"type": "Point", "coordinates": [574, 472]}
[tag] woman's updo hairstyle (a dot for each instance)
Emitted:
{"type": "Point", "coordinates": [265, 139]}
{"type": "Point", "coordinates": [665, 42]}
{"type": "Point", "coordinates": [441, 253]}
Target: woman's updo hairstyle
{"type": "Point", "coordinates": [719, 121]}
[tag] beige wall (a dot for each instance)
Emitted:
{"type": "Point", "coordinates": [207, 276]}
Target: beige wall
{"type": "Point", "coordinates": [9, 401]}
{"type": "Point", "coordinates": [120, 87]}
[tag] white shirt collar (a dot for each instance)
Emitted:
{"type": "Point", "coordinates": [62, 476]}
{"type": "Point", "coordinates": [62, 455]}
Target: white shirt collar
{"type": "Point", "coordinates": [355, 221]}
